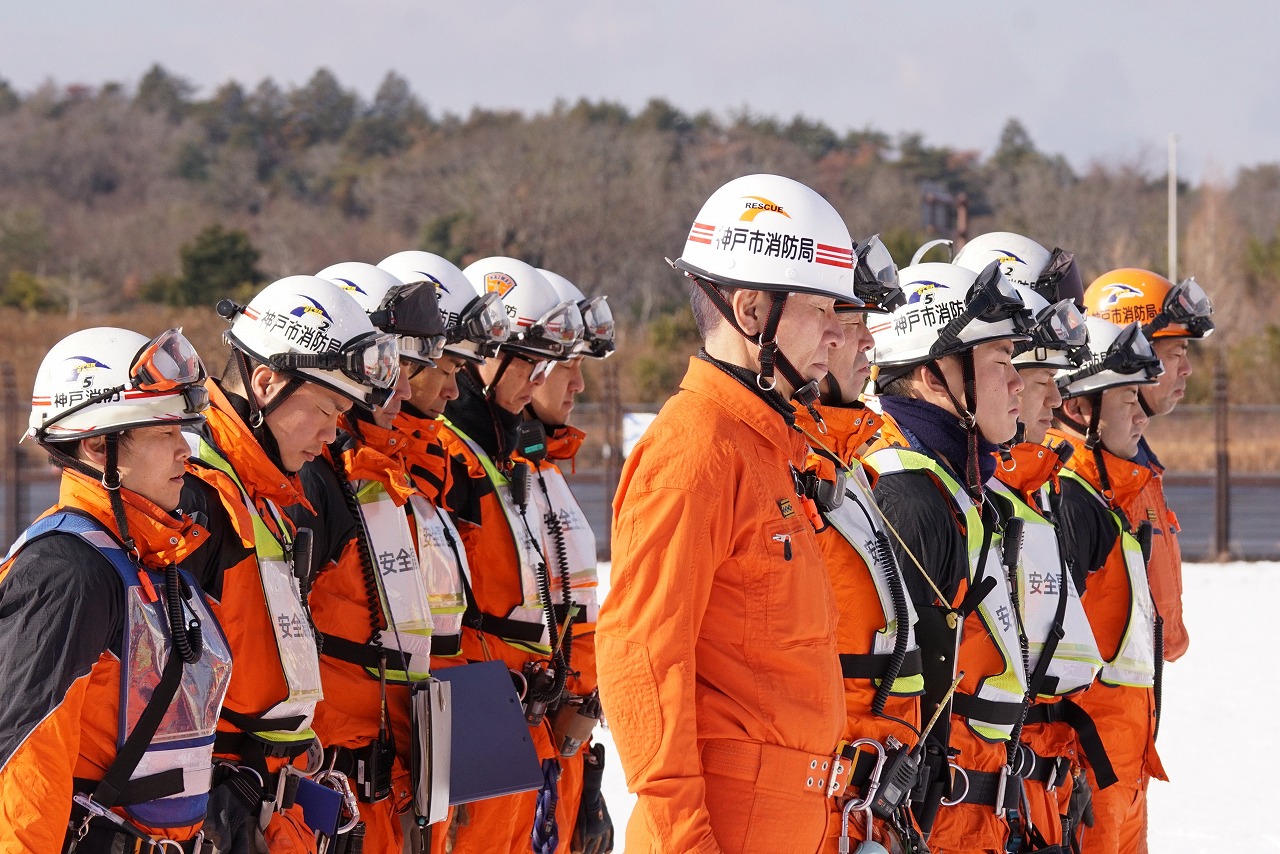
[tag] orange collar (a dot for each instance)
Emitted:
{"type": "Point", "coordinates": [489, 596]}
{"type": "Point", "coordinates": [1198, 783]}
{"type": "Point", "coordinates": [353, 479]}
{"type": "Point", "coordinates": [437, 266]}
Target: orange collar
{"type": "Point", "coordinates": [261, 478]}
{"type": "Point", "coordinates": [161, 539]}
{"type": "Point", "coordinates": [377, 454]}
{"type": "Point", "coordinates": [848, 428]}
{"type": "Point", "coordinates": [564, 442]}
{"type": "Point", "coordinates": [706, 380]}
{"type": "Point", "coordinates": [1029, 467]}
{"type": "Point", "coordinates": [424, 454]}
{"type": "Point", "coordinates": [1127, 477]}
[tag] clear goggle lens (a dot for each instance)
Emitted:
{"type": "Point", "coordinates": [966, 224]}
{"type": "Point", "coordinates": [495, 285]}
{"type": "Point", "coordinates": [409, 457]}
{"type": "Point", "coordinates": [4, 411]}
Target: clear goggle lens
{"type": "Point", "coordinates": [377, 360]}
{"type": "Point", "coordinates": [485, 320]}
{"type": "Point", "coordinates": [1187, 301]}
{"type": "Point", "coordinates": [597, 319]}
{"type": "Point", "coordinates": [169, 360]}
{"type": "Point", "coordinates": [430, 347]}
{"type": "Point", "coordinates": [1062, 327]}
{"type": "Point", "coordinates": [562, 327]}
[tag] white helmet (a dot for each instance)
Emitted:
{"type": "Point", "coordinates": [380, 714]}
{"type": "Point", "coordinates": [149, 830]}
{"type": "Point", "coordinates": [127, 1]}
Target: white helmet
{"type": "Point", "coordinates": [1054, 275]}
{"type": "Point", "coordinates": [310, 328]}
{"type": "Point", "coordinates": [597, 319]}
{"type": "Point", "coordinates": [769, 233]}
{"type": "Point", "coordinates": [1060, 337]}
{"type": "Point", "coordinates": [106, 380]}
{"type": "Point", "coordinates": [407, 310]}
{"type": "Point", "coordinates": [475, 323]}
{"type": "Point", "coordinates": [1118, 356]}
{"type": "Point", "coordinates": [543, 326]}
{"type": "Point", "coordinates": [947, 309]}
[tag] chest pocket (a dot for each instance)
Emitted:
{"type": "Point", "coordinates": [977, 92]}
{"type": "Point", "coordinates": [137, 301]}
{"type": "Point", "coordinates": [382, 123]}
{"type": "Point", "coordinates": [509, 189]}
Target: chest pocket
{"type": "Point", "coordinates": [797, 599]}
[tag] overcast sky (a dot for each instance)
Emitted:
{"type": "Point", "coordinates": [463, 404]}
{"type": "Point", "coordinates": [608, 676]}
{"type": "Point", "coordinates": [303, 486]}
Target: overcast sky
{"type": "Point", "coordinates": [1092, 80]}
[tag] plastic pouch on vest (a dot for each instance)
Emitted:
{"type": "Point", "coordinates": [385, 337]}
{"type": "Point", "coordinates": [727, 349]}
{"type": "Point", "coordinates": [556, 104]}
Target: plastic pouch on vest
{"type": "Point", "coordinates": [444, 564]}
{"type": "Point", "coordinates": [579, 543]}
{"type": "Point", "coordinates": [185, 736]}
{"type": "Point", "coordinates": [401, 585]}
{"type": "Point", "coordinates": [433, 739]}
{"type": "Point", "coordinates": [295, 640]}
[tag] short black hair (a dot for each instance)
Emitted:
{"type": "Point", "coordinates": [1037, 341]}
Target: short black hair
{"type": "Point", "coordinates": [706, 314]}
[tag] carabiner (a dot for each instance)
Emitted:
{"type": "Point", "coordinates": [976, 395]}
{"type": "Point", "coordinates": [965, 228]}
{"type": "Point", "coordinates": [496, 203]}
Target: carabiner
{"type": "Point", "coordinates": [965, 776]}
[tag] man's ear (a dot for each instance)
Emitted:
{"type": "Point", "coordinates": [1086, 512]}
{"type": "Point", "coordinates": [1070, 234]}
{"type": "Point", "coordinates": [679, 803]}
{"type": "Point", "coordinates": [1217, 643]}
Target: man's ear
{"type": "Point", "coordinates": [1078, 409]}
{"type": "Point", "coordinates": [929, 380]}
{"type": "Point", "coordinates": [94, 451]}
{"type": "Point", "coordinates": [264, 383]}
{"type": "Point", "coordinates": [751, 309]}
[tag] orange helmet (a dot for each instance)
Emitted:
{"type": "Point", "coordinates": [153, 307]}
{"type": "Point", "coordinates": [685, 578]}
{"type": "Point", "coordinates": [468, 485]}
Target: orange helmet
{"type": "Point", "coordinates": [1164, 309]}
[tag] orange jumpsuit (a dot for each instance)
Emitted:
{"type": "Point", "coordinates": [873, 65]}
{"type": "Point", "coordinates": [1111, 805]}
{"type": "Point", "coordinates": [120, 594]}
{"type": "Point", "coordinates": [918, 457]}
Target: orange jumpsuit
{"type": "Point", "coordinates": [859, 602]}
{"type": "Point", "coordinates": [258, 682]}
{"type": "Point", "coordinates": [1125, 716]}
{"type": "Point", "coordinates": [964, 827]}
{"type": "Point", "coordinates": [1164, 569]}
{"type": "Point", "coordinates": [72, 734]}
{"type": "Point", "coordinates": [717, 645]}
{"type": "Point", "coordinates": [504, 824]}
{"type": "Point", "coordinates": [1031, 467]}
{"type": "Point", "coordinates": [350, 714]}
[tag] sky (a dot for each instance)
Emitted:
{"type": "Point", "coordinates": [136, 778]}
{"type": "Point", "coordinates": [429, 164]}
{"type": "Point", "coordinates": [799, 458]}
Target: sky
{"type": "Point", "coordinates": [1095, 81]}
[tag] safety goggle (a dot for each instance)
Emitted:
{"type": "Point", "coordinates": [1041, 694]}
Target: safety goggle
{"type": "Point", "coordinates": [875, 276]}
{"type": "Point", "coordinates": [598, 328]}
{"type": "Point", "coordinates": [559, 329]}
{"type": "Point", "coordinates": [484, 322]}
{"type": "Point", "coordinates": [990, 299]}
{"type": "Point", "coordinates": [421, 348]}
{"type": "Point", "coordinates": [1186, 304]}
{"type": "Point", "coordinates": [1130, 353]}
{"type": "Point", "coordinates": [371, 360]}
{"type": "Point", "coordinates": [1059, 327]}
{"type": "Point", "coordinates": [1060, 278]}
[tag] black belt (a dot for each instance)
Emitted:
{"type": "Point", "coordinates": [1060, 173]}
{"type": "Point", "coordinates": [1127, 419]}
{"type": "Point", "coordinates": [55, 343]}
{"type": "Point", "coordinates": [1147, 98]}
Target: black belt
{"type": "Point", "coordinates": [873, 665]}
{"type": "Point", "coordinates": [244, 745]}
{"type": "Point", "coordinates": [446, 646]}
{"type": "Point", "coordinates": [1078, 719]}
{"type": "Point", "coordinates": [509, 629]}
{"type": "Point", "coordinates": [150, 788]}
{"type": "Point", "coordinates": [985, 785]}
{"type": "Point", "coordinates": [103, 836]}
{"type": "Point", "coordinates": [986, 711]}
{"type": "Point", "coordinates": [364, 654]}
{"type": "Point", "coordinates": [1051, 771]}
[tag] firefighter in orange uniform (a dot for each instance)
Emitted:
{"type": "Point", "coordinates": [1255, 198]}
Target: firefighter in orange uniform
{"type": "Point", "coordinates": [717, 643]}
{"type": "Point", "coordinates": [529, 569]}
{"type": "Point", "coordinates": [1102, 417]}
{"type": "Point", "coordinates": [1171, 317]}
{"type": "Point", "coordinates": [370, 599]}
{"type": "Point", "coordinates": [97, 617]}
{"type": "Point", "coordinates": [949, 395]}
{"type": "Point", "coordinates": [302, 353]}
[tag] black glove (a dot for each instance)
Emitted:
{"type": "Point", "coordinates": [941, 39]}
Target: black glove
{"type": "Point", "coordinates": [593, 833]}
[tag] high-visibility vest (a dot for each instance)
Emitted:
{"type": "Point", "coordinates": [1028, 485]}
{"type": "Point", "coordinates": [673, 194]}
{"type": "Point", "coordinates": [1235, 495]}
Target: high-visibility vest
{"type": "Point", "coordinates": [1007, 687]}
{"type": "Point", "coordinates": [535, 541]}
{"type": "Point", "coordinates": [446, 572]}
{"type": "Point", "coordinates": [184, 739]}
{"type": "Point", "coordinates": [295, 643]}
{"type": "Point", "coordinates": [1041, 581]}
{"type": "Point", "coordinates": [857, 521]}
{"type": "Point", "coordinates": [402, 588]}
{"type": "Point", "coordinates": [1134, 663]}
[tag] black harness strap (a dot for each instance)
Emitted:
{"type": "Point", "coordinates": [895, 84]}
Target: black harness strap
{"type": "Point", "coordinates": [874, 665]}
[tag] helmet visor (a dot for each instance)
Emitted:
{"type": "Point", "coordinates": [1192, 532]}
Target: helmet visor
{"type": "Point", "coordinates": [1061, 279]}
{"type": "Point", "coordinates": [560, 328]}
{"type": "Point", "coordinates": [1188, 304]}
{"type": "Point", "coordinates": [598, 328]}
{"type": "Point", "coordinates": [991, 299]}
{"type": "Point", "coordinates": [1060, 327]}
{"type": "Point", "coordinates": [373, 361]}
{"type": "Point", "coordinates": [483, 322]}
{"type": "Point", "coordinates": [875, 276]}
{"type": "Point", "coordinates": [170, 363]}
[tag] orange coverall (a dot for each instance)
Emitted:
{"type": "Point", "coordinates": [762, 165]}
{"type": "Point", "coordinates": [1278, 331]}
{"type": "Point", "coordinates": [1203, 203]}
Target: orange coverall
{"type": "Point", "coordinates": [1164, 569]}
{"type": "Point", "coordinates": [1124, 715]}
{"type": "Point", "coordinates": [717, 646]}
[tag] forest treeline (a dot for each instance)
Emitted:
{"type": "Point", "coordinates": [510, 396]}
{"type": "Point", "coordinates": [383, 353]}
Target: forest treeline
{"type": "Point", "coordinates": [117, 195]}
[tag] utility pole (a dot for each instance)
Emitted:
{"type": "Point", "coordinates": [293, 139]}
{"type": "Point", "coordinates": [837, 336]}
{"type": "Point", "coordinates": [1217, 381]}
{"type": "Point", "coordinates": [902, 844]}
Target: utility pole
{"type": "Point", "coordinates": [1173, 208]}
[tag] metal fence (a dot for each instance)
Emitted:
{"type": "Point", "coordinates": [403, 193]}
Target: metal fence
{"type": "Point", "coordinates": [1226, 493]}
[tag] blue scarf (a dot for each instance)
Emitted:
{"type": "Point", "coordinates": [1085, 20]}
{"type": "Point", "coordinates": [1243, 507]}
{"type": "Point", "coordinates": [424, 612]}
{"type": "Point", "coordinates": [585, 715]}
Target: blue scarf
{"type": "Point", "coordinates": [939, 434]}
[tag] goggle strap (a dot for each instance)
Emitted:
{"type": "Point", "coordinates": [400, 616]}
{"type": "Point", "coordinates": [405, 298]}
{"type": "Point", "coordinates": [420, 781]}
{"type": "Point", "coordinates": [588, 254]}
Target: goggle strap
{"type": "Point", "coordinates": [290, 387]}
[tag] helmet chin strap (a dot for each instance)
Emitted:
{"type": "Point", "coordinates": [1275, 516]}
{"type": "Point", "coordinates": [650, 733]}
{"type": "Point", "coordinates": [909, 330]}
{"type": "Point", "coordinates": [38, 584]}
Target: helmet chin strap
{"type": "Point", "coordinates": [968, 415]}
{"type": "Point", "coordinates": [1093, 441]}
{"type": "Point", "coordinates": [771, 357]}
{"type": "Point", "coordinates": [258, 414]}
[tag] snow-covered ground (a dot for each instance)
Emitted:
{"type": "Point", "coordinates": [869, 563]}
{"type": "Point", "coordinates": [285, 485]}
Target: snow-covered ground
{"type": "Point", "coordinates": [1215, 742]}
